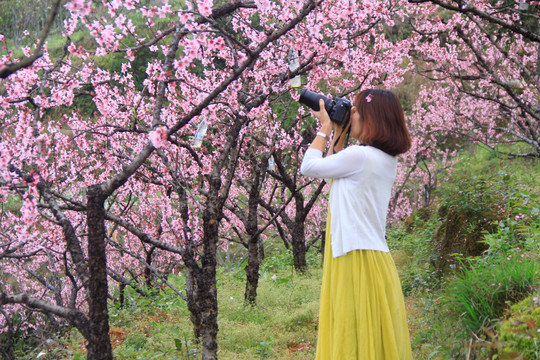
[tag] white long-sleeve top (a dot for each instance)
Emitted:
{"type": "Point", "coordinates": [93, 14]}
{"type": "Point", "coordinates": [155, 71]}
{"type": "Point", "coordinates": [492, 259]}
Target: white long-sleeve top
{"type": "Point", "coordinates": [363, 177]}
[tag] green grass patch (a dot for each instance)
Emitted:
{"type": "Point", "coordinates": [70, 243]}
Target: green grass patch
{"type": "Point", "coordinates": [282, 325]}
{"type": "Point", "coordinates": [480, 293]}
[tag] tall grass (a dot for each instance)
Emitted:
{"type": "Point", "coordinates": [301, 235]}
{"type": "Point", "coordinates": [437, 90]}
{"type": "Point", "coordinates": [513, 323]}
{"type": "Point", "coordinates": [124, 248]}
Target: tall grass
{"type": "Point", "coordinates": [482, 290]}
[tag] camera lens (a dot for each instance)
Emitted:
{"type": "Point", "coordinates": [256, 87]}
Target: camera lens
{"type": "Point", "coordinates": [311, 99]}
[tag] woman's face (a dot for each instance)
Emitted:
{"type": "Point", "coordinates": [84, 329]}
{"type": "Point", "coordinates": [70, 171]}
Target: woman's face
{"type": "Point", "coordinates": [355, 123]}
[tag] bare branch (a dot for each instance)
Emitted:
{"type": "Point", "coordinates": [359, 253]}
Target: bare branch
{"type": "Point", "coordinates": [74, 316]}
{"type": "Point", "coordinates": [25, 62]}
{"type": "Point", "coordinates": [467, 8]}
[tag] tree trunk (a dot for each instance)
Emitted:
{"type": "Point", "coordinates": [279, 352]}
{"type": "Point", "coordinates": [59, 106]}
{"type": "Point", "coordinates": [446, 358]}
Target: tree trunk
{"type": "Point", "coordinates": [261, 251]}
{"type": "Point", "coordinates": [299, 247]}
{"type": "Point", "coordinates": [122, 296]}
{"type": "Point", "coordinates": [147, 271]}
{"type": "Point", "coordinates": [192, 295]}
{"type": "Point", "coordinates": [538, 61]}
{"type": "Point", "coordinates": [254, 261]}
{"type": "Point", "coordinates": [207, 286]}
{"type": "Point", "coordinates": [323, 246]}
{"type": "Point", "coordinates": [252, 271]}
{"type": "Point", "coordinates": [99, 342]}
{"type": "Point", "coordinates": [7, 348]}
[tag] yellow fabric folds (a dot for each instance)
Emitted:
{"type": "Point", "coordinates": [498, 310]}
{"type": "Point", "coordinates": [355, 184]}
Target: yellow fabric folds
{"type": "Point", "coordinates": [362, 311]}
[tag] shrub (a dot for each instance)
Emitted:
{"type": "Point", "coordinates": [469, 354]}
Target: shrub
{"type": "Point", "coordinates": [481, 290]}
{"type": "Point", "coordinates": [413, 251]}
{"type": "Point", "coordinates": [519, 334]}
{"type": "Point", "coordinates": [467, 213]}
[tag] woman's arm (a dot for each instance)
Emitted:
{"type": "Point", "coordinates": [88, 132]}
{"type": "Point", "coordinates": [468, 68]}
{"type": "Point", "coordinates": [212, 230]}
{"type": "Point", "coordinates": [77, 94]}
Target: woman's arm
{"type": "Point", "coordinates": [337, 165]}
{"type": "Point", "coordinates": [345, 163]}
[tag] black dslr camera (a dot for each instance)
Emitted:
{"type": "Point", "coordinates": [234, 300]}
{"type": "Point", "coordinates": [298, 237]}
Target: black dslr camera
{"type": "Point", "coordinates": [338, 109]}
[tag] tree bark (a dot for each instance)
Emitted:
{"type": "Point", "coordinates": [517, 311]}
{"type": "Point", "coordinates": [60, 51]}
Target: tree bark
{"type": "Point", "coordinates": [252, 229]}
{"type": "Point", "coordinates": [299, 243]}
{"type": "Point", "coordinates": [99, 344]}
{"type": "Point", "coordinates": [252, 271]}
{"type": "Point", "coordinates": [208, 287]}
{"type": "Point", "coordinates": [192, 295]}
{"type": "Point", "coordinates": [147, 270]}
{"type": "Point", "coordinates": [296, 227]}
{"type": "Point", "coordinates": [323, 246]}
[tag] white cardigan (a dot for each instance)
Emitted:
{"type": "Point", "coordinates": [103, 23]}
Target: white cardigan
{"type": "Point", "coordinates": [363, 177]}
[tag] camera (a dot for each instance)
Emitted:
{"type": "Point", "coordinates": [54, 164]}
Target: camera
{"type": "Point", "coordinates": [338, 109]}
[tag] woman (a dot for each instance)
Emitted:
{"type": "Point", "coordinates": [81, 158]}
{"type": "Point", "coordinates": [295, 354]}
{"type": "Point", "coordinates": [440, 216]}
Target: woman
{"type": "Point", "coordinates": [362, 312]}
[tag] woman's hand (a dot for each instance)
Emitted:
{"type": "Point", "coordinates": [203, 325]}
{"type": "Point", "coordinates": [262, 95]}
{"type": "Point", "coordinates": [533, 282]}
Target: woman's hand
{"type": "Point", "coordinates": [320, 140]}
{"type": "Point", "coordinates": [324, 119]}
{"type": "Point", "coordinates": [327, 126]}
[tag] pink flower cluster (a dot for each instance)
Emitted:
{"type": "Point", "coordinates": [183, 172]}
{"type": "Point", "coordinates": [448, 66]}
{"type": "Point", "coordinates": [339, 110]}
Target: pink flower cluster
{"type": "Point", "coordinates": [205, 7]}
{"type": "Point", "coordinates": [79, 7]}
{"type": "Point", "coordinates": [158, 137]}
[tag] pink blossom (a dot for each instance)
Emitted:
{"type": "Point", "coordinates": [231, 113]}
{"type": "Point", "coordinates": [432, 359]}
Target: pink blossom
{"type": "Point", "coordinates": [220, 43]}
{"type": "Point", "coordinates": [4, 161]}
{"type": "Point", "coordinates": [158, 137]}
{"type": "Point", "coordinates": [205, 7]}
{"type": "Point", "coordinates": [107, 34]}
{"type": "Point", "coordinates": [120, 21]}
{"type": "Point", "coordinates": [130, 55]}
{"type": "Point", "coordinates": [101, 51]}
{"type": "Point", "coordinates": [126, 67]}
{"type": "Point", "coordinates": [369, 98]}
{"type": "Point", "coordinates": [79, 7]}
{"type": "Point", "coordinates": [149, 13]}
{"type": "Point", "coordinates": [116, 4]}
{"type": "Point", "coordinates": [315, 31]}
{"type": "Point", "coordinates": [28, 211]}
{"type": "Point", "coordinates": [263, 5]}
{"type": "Point", "coordinates": [163, 11]}
{"type": "Point", "coordinates": [130, 4]}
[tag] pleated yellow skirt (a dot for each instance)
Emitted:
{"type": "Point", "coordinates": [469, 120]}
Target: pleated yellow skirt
{"type": "Point", "coordinates": [362, 310]}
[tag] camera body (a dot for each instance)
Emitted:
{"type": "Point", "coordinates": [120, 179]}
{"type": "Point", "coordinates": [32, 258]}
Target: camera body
{"type": "Point", "coordinates": [337, 109]}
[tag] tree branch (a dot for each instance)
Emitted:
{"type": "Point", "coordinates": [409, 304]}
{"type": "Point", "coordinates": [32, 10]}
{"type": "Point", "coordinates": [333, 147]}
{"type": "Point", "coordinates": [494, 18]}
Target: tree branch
{"type": "Point", "coordinates": [74, 316]}
{"type": "Point", "coordinates": [25, 62]}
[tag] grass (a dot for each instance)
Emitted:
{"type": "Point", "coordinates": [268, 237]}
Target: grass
{"type": "Point", "coordinates": [282, 325]}
{"type": "Point", "coordinates": [480, 293]}
{"type": "Point", "coordinates": [284, 319]}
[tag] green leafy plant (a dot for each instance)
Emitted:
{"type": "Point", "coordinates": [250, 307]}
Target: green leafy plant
{"type": "Point", "coordinates": [263, 349]}
{"type": "Point", "coordinates": [185, 348]}
{"type": "Point", "coordinates": [413, 252]}
{"type": "Point", "coordinates": [480, 292]}
{"type": "Point", "coordinates": [519, 333]}
{"type": "Point", "coordinates": [279, 261]}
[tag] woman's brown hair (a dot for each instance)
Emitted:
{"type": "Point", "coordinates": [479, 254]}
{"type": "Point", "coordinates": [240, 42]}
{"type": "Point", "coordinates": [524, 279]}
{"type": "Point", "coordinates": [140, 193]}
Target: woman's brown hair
{"type": "Point", "coordinates": [382, 121]}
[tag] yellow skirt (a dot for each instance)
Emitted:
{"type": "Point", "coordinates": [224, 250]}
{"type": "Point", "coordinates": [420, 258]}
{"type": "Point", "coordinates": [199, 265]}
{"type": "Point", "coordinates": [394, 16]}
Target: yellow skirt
{"type": "Point", "coordinates": [362, 311]}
